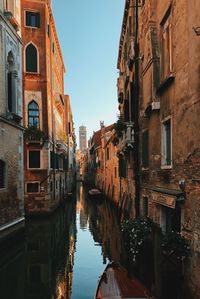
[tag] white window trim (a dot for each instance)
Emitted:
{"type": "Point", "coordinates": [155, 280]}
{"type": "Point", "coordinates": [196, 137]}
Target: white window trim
{"type": "Point", "coordinates": [33, 150]}
{"type": "Point", "coordinates": [163, 29]}
{"type": "Point", "coordinates": [40, 114]}
{"type": "Point", "coordinates": [163, 160]}
{"type": "Point", "coordinates": [30, 10]}
{"type": "Point", "coordinates": [38, 64]}
{"type": "Point", "coordinates": [32, 182]}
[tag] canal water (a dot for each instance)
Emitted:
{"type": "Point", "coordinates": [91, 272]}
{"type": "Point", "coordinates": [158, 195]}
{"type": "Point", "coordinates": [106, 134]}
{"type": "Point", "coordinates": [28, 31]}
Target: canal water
{"type": "Point", "coordinates": [63, 255]}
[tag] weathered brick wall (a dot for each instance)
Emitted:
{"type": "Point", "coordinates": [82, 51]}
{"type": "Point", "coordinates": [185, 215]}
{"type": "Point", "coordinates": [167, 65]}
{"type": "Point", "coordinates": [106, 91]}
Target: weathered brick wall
{"type": "Point", "coordinates": [180, 101]}
{"type": "Point", "coordinates": [11, 198]}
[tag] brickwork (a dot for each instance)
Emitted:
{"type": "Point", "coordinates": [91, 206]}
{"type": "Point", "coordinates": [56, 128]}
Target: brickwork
{"type": "Point", "coordinates": [168, 100]}
{"type": "Point", "coordinates": [11, 131]}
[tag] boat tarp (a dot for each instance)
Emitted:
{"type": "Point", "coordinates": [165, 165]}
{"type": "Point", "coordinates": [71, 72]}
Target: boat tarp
{"type": "Point", "coordinates": [117, 284]}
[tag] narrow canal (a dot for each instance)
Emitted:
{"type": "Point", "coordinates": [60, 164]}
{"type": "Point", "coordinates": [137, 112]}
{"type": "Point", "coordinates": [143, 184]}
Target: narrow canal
{"type": "Point", "coordinates": [63, 255]}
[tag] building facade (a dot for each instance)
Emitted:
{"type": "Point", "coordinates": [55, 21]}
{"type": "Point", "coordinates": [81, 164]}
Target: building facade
{"type": "Point", "coordinates": [158, 59]}
{"type": "Point", "coordinates": [82, 138]}
{"type": "Point", "coordinates": [45, 116]}
{"type": "Point", "coordinates": [71, 143]}
{"type": "Point", "coordinates": [11, 130]}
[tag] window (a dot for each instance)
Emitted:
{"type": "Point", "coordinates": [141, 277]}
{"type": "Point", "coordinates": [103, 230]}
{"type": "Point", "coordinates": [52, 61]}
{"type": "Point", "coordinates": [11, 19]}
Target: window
{"type": "Point", "coordinates": [170, 219]}
{"type": "Point", "coordinates": [33, 114]}
{"type": "Point", "coordinates": [145, 149]}
{"type": "Point", "coordinates": [166, 143]}
{"type": "Point", "coordinates": [31, 59]}
{"type": "Point", "coordinates": [12, 78]}
{"type": "Point", "coordinates": [53, 48]}
{"type": "Point", "coordinates": [166, 46]}
{"type": "Point", "coordinates": [32, 187]}
{"type": "Point", "coordinates": [122, 168]}
{"type": "Point", "coordinates": [48, 29]}
{"type": "Point", "coordinates": [107, 154]}
{"type": "Point", "coordinates": [115, 172]}
{"type": "Point", "coordinates": [34, 159]}
{"type": "Point", "coordinates": [2, 174]}
{"type": "Point", "coordinates": [33, 19]}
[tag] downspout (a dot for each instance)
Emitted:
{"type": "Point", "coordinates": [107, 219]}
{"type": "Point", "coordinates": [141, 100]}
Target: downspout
{"type": "Point", "coordinates": [136, 153]}
{"type": "Point", "coordinates": [52, 115]}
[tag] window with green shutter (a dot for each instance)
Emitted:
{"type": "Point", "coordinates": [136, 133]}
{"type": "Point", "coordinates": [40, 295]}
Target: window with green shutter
{"type": "Point", "coordinates": [166, 148]}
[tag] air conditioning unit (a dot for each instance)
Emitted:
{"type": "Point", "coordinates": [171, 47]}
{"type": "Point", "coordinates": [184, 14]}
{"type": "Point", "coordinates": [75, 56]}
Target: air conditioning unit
{"type": "Point", "coordinates": [155, 105]}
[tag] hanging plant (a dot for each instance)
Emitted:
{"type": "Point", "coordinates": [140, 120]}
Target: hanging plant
{"type": "Point", "coordinates": [136, 232]}
{"type": "Point", "coordinates": [173, 243]}
{"type": "Point", "coordinates": [33, 134]}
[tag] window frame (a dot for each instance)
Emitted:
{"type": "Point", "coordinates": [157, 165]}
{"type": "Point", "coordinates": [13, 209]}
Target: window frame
{"type": "Point", "coordinates": [166, 24]}
{"type": "Point", "coordinates": [164, 164]}
{"type": "Point", "coordinates": [38, 69]}
{"type": "Point", "coordinates": [28, 162]}
{"type": "Point", "coordinates": [34, 12]}
{"type": "Point", "coordinates": [33, 182]}
{"type": "Point", "coordinates": [38, 117]}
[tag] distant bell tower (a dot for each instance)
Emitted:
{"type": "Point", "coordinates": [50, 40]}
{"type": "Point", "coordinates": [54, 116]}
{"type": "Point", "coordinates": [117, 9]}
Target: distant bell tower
{"type": "Point", "coordinates": [82, 138]}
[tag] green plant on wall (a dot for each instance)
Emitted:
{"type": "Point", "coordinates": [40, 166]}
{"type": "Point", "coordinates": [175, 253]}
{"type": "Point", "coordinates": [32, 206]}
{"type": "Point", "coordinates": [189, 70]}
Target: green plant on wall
{"type": "Point", "coordinates": [33, 134]}
{"type": "Point", "coordinates": [136, 232]}
{"type": "Point", "coordinates": [173, 243]}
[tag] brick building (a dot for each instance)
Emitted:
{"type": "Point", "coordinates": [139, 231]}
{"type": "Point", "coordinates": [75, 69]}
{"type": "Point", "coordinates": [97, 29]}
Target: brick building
{"type": "Point", "coordinates": [159, 59]}
{"type": "Point", "coordinates": [71, 143]}
{"type": "Point", "coordinates": [45, 116]}
{"type": "Point", "coordinates": [11, 130]}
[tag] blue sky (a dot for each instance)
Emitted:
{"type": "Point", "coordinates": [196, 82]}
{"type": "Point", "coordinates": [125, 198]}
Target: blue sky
{"type": "Point", "coordinates": [89, 32]}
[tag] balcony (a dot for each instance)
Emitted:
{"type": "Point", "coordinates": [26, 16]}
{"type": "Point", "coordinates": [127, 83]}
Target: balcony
{"type": "Point", "coordinates": [126, 141]}
{"type": "Point", "coordinates": [34, 135]}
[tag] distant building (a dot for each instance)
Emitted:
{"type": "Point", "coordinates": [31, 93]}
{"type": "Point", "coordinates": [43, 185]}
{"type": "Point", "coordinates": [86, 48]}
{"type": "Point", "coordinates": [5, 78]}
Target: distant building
{"type": "Point", "coordinates": [11, 130]}
{"type": "Point", "coordinates": [82, 138]}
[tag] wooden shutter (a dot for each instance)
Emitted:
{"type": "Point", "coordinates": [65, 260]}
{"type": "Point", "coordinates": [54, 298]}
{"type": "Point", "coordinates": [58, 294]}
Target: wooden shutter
{"type": "Point", "coordinates": [37, 15]}
{"type": "Point", "coordinates": [28, 18]}
{"type": "Point", "coordinates": [168, 142]}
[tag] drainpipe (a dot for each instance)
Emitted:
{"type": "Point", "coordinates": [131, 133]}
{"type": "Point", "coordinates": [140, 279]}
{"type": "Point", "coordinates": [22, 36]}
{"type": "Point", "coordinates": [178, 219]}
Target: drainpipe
{"type": "Point", "coordinates": [136, 153]}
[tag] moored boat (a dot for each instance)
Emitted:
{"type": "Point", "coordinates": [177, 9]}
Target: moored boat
{"type": "Point", "coordinates": [115, 283]}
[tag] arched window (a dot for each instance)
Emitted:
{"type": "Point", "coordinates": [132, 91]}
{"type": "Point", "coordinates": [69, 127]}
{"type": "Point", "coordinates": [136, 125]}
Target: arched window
{"type": "Point", "coordinates": [2, 174]}
{"type": "Point", "coordinates": [31, 59]}
{"type": "Point", "coordinates": [33, 114]}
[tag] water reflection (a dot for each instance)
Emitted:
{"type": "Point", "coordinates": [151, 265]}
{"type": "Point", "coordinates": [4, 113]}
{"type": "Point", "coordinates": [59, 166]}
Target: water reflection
{"type": "Point", "coordinates": [62, 256]}
{"type": "Point", "coordinates": [49, 255]}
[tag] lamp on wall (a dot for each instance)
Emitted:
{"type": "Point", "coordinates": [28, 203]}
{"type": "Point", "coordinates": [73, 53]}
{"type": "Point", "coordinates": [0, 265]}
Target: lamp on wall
{"type": "Point", "coordinates": [196, 30]}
